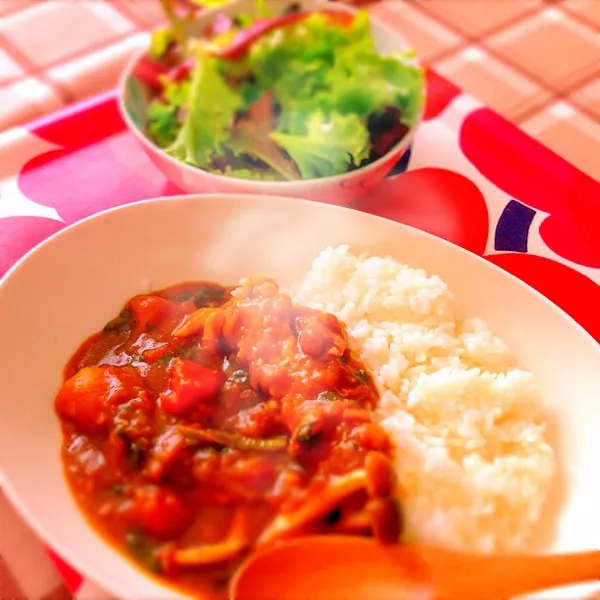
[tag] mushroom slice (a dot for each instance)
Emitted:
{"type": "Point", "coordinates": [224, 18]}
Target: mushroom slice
{"type": "Point", "coordinates": [194, 323]}
{"type": "Point", "coordinates": [211, 554]}
{"type": "Point", "coordinates": [314, 508]}
{"type": "Point", "coordinates": [355, 523]}
{"type": "Point", "coordinates": [237, 540]}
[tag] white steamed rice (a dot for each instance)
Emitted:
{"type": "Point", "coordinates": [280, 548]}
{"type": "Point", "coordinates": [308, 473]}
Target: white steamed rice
{"type": "Point", "coordinates": [471, 455]}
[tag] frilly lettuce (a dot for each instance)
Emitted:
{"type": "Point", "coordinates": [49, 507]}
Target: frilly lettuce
{"type": "Point", "coordinates": [316, 66]}
{"type": "Point", "coordinates": [328, 81]}
{"type": "Point", "coordinates": [328, 146]}
{"type": "Point", "coordinates": [211, 107]}
{"type": "Point", "coordinates": [253, 174]}
{"type": "Point", "coordinates": [163, 114]}
{"type": "Point", "coordinates": [251, 136]}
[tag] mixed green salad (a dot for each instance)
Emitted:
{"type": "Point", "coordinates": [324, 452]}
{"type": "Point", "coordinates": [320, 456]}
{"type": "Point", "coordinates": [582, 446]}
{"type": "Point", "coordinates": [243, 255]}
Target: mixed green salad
{"type": "Point", "coordinates": [297, 96]}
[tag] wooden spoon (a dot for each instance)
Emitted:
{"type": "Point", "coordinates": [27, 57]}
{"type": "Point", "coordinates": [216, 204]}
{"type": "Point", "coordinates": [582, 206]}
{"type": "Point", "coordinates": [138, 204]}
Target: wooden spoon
{"type": "Point", "coordinates": [348, 568]}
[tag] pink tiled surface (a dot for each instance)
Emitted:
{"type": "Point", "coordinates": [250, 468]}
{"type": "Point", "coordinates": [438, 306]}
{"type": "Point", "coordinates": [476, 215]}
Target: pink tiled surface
{"type": "Point", "coordinates": [54, 52]}
{"type": "Point", "coordinates": [537, 62]}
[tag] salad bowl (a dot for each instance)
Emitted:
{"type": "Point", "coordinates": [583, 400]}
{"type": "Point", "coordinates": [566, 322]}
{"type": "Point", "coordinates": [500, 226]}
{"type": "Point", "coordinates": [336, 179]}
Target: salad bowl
{"type": "Point", "coordinates": [135, 96]}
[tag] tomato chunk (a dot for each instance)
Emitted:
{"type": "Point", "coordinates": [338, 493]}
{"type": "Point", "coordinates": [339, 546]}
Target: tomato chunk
{"type": "Point", "coordinates": [167, 448]}
{"type": "Point", "coordinates": [151, 311]}
{"type": "Point", "coordinates": [159, 512]}
{"type": "Point", "coordinates": [89, 397]}
{"type": "Point", "coordinates": [191, 386]}
{"type": "Point", "coordinates": [150, 71]}
{"type": "Point", "coordinates": [322, 335]}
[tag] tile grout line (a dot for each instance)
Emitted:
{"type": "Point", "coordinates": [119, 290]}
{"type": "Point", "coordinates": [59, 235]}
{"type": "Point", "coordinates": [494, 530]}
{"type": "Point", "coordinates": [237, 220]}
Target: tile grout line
{"type": "Point", "coordinates": [29, 67]}
{"type": "Point", "coordinates": [474, 40]}
{"type": "Point", "coordinates": [564, 97]}
{"type": "Point", "coordinates": [118, 37]}
{"type": "Point", "coordinates": [81, 55]}
{"type": "Point", "coordinates": [126, 12]}
{"type": "Point", "coordinates": [443, 54]}
{"type": "Point", "coordinates": [478, 41]}
{"type": "Point", "coordinates": [577, 17]}
{"type": "Point", "coordinates": [557, 94]}
{"type": "Point", "coordinates": [531, 105]}
{"type": "Point", "coordinates": [41, 72]}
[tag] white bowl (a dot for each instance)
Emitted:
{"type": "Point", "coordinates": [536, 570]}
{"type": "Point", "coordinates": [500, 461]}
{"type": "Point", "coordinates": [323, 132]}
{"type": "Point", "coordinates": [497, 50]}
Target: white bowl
{"type": "Point", "coordinates": [133, 97]}
{"type": "Point", "coordinates": [73, 283]}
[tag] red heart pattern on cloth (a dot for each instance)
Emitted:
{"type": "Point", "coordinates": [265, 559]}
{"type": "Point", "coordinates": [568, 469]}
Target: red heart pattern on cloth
{"type": "Point", "coordinates": [77, 185]}
{"type": "Point", "coordinates": [440, 92]}
{"type": "Point", "coordinates": [438, 201]}
{"type": "Point", "coordinates": [76, 179]}
{"type": "Point", "coordinates": [19, 234]}
{"type": "Point", "coordinates": [72, 578]}
{"type": "Point", "coordinates": [512, 160]}
{"type": "Point", "coordinates": [575, 293]}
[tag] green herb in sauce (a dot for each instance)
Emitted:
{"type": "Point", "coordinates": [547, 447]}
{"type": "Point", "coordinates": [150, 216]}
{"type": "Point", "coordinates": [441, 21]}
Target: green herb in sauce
{"type": "Point", "coordinates": [186, 352]}
{"type": "Point", "coordinates": [239, 376]}
{"type": "Point", "coordinates": [121, 323]}
{"type": "Point", "coordinates": [362, 376]}
{"type": "Point", "coordinates": [142, 550]}
{"type": "Point", "coordinates": [307, 436]}
{"type": "Point", "coordinates": [136, 454]}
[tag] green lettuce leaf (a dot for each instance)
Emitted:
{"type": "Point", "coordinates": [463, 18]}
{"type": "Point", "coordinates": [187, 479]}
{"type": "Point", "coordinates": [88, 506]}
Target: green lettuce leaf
{"type": "Point", "coordinates": [316, 66]}
{"type": "Point", "coordinates": [211, 107]}
{"type": "Point", "coordinates": [251, 136]}
{"type": "Point", "coordinates": [176, 93]}
{"type": "Point", "coordinates": [332, 66]}
{"type": "Point", "coordinates": [162, 115]}
{"type": "Point", "coordinates": [328, 146]}
{"type": "Point", "coordinates": [162, 123]}
{"type": "Point", "coordinates": [367, 82]}
{"type": "Point", "coordinates": [253, 173]}
{"type": "Point", "coordinates": [293, 61]}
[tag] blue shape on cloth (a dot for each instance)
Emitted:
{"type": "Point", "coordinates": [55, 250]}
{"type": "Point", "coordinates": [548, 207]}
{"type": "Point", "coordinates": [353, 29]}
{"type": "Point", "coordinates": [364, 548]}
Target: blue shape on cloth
{"type": "Point", "coordinates": [402, 164]}
{"type": "Point", "coordinates": [512, 231]}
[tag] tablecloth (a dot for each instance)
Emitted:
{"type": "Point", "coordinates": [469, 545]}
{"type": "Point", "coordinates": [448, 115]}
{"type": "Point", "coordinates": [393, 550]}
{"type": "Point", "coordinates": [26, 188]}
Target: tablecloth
{"type": "Point", "coordinates": [55, 52]}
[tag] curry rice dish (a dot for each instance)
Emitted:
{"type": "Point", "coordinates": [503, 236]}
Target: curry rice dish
{"type": "Point", "coordinates": [205, 421]}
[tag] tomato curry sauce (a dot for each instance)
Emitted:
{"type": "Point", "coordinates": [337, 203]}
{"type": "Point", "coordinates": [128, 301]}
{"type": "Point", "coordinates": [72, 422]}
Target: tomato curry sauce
{"type": "Point", "coordinates": [206, 421]}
